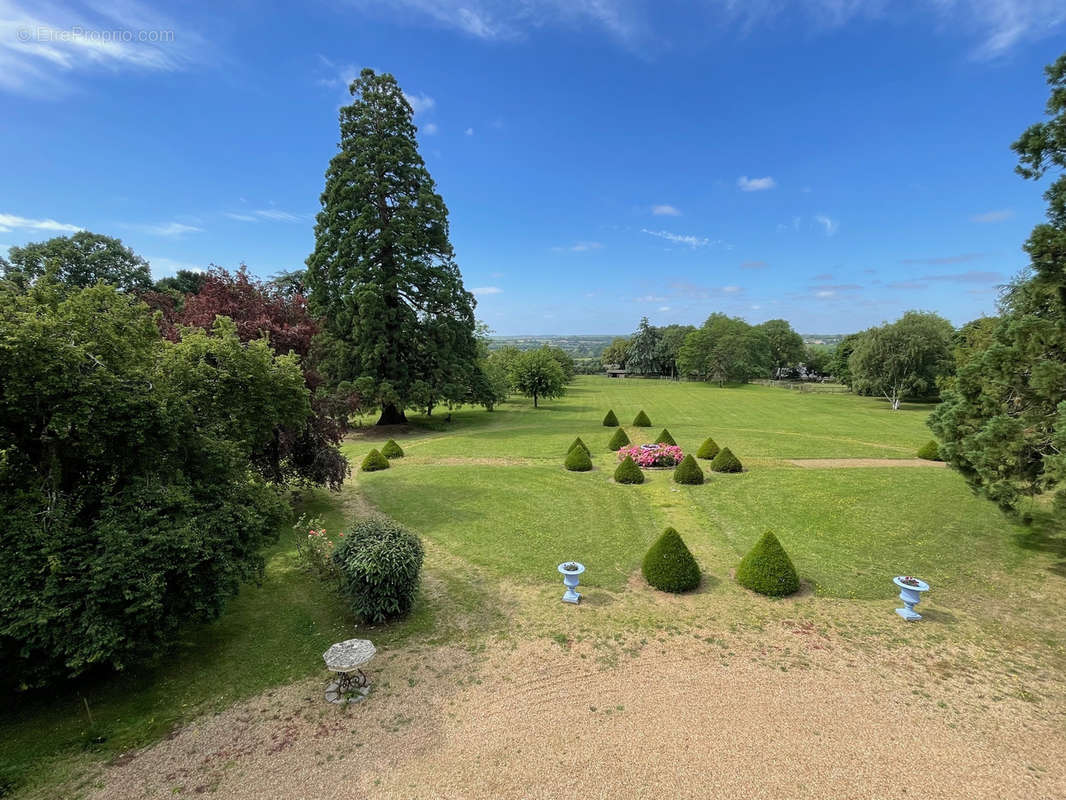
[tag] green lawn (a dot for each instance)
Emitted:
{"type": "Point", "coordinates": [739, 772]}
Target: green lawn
{"type": "Point", "coordinates": [488, 491]}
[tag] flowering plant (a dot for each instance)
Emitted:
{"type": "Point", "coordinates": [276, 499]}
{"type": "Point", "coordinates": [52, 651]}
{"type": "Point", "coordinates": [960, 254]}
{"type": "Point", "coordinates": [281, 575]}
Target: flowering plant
{"type": "Point", "coordinates": [907, 579]}
{"type": "Point", "coordinates": [316, 551]}
{"type": "Point", "coordinates": [663, 455]}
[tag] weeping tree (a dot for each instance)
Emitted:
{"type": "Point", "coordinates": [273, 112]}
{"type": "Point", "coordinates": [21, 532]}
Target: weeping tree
{"type": "Point", "coordinates": [399, 324]}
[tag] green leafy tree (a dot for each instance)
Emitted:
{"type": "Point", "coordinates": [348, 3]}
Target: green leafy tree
{"type": "Point", "coordinates": [77, 261]}
{"type": "Point", "coordinates": [786, 346]}
{"type": "Point", "coordinates": [725, 349]}
{"type": "Point", "coordinates": [644, 349]}
{"type": "Point", "coordinates": [536, 374]}
{"type": "Point", "coordinates": [671, 338]}
{"type": "Point", "coordinates": [1003, 423]}
{"type": "Point", "coordinates": [816, 360]}
{"type": "Point", "coordinates": [184, 281]}
{"type": "Point", "coordinates": [383, 275]}
{"type": "Point", "coordinates": [129, 502]}
{"type": "Point", "coordinates": [904, 358]}
{"type": "Point", "coordinates": [840, 361]}
{"type": "Point", "coordinates": [563, 359]}
{"type": "Point", "coordinates": [616, 353]}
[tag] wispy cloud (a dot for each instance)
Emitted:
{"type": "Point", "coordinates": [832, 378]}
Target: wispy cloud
{"type": "Point", "coordinates": [420, 103]}
{"type": "Point", "coordinates": [754, 265]}
{"type": "Point", "coordinates": [483, 290]}
{"type": "Point", "coordinates": [12, 222]}
{"type": "Point", "coordinates": [270, 214]}
{"type": "Point", "coordinates": [747, 184]}
{"type": "Point", "coordinates": [971, 276]}
{"type": "Point", "coordinates": [993, 216]}
{"type": "Point", "coordinates": [469, 131]}
{"type": "Point", "coordinates": [665, 211]}
{"type": "Point", "coordinates": [959, 259]}
{"type": "Point", "coordinates": [677, 238]}
{"type": "Point", "coordinates": [43, 45]}
{"type": "Point", "coordinates": [241, 217]}
{"type": "Point", "coordinates": [165, 228]}
{"type": "Point", "coordinates": [830, 225]}
{"type": "Point", "coordinates": [430, 128]}
{"type": "Point", "coordinates": [579, 247]}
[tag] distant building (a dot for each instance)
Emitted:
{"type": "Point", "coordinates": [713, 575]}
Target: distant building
{"type": "Point", "coordinates": [615, 371]}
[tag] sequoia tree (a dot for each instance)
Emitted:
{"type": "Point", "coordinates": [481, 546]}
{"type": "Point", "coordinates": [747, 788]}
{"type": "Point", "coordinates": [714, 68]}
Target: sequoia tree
{"type": "Point", "coordinates": [1003, 423]}
{"type": "Point", "coordinates": [382, 276]}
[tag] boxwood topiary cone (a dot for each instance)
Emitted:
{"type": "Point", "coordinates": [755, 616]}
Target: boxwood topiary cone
{"type": "Point", "coordinates": [767, 569]}
{"type": "Point", "coordinates": [930, 451]}
{"type": "Point", "coordinates": [610, 421]}
{"type": "Point", "coordinates": [725, 461]}
{"type": "Point", "coordinates": [688, 472]}
{"type": "Point", "coordinates": [708, 450]}
{"type": "Point", "coordinates": [374, 461]}
{"type": "Point", "coordinates": [665, 438]}
{"type": "Point", "coordinates": [577, 443]}
{"type": "Point", "coordinates": [628, 472]}
{"type": "Point", "coordinates": [669, 565]}
{"type": "Point", "coordinates": [577, 460]}
{"type": "Point", "coordinates": [619, 440]}
{"type": "Point", "coordinates": [392, 450]}
{"type": "Point", "coordinates": [641, 420]}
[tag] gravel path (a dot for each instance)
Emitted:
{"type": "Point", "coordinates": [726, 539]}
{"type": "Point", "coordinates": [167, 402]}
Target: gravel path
{"type": "Point", "coordinates": [679, 717]}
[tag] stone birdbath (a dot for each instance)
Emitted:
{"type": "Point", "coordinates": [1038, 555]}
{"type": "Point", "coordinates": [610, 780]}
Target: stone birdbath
{"type": "Point", "coordinates": [911, 594]}
{"type": "Point", "coordinates": [570, 571]}
{"type": "Point", "coordinates": [345, 660]}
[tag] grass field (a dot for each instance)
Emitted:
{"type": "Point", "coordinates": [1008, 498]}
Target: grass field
{"type": "Point", "coordinates": [488, 493]}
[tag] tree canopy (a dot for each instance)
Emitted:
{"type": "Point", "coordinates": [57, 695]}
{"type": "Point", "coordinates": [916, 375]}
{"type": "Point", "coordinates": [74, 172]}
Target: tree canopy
{"type": "Point", "coordinates": [536, 374]}
{"type": "Point", "coordinates": [77, 261]}
{"type": "Point", "coordinates": [1002, 423]}
{"type": "Point", "coordinates": [725, 349]}
{"type": "Point", "coordinates": [383, 275]}
{"type": "Point", "coordinates": [786, 346]}
{"type": "Point", "coordinates": [903, 358]}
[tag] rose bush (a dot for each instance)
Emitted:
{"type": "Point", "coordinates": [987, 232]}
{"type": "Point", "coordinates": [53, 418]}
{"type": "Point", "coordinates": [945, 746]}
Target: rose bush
{"type": "Point", "coordinates": [665, 455]}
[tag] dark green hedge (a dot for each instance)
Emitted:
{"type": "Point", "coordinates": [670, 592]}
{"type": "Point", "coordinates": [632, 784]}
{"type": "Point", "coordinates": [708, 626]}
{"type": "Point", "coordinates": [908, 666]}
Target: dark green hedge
{"type": "Point", "coordinates": [930, 451]}
{"type": "Point", "coordinates": [610, 421]}
{"type": "Point", "coordinates": [392, 450]}
{"type": "Point", "coordinates": [619, 440]}
{"type": "Point", "coordinates": [577, 443]}
{"type": "Point", "coordinates": [665, 438]}
{"type": "Point", "coordinates": [628, 472]}
{"type": "Point", "coordinates": [669, 565]}
{"type": "Point", "coordinates": [688, 472]}
{"type": "Point", "coordinates": [708, 450]}
{"type": "Point", "coordinates": [577, 460]}
{"type": "Point", "coordinates": [641, 420]}
{"type": "Point", "coordinates": [767, 569]}
{"type": "Point", "coordinates": [725, 461]}
{"type": "Point", "coordinates": [379, 562]}
{"type": "Point", "coordinates": [374, 461]}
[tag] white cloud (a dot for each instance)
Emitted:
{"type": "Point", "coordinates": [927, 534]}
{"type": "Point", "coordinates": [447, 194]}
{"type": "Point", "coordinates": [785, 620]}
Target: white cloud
{"type": "Point", "coordinates": [731, 289]}
{"type": "Point", "coordinates": [430, 129]}
{"type": "Point", "coordinates": [580, 247]}
{"type": "Point", "coordinates": [665, 211]}
{"type": "Point", "coordinates": [420, 102]}
{"type": "Point", "coordinates": [11, 222]}
{"type": "Point", "coordinates": [161, 267]}
{"type": "Point", "coordinates": [691, 241]}
{"type": "Point", "coordinates": [747, 184]}
{"type": "Point", "coordinates": [469, 131]}
{"type": "Point", "coordinates": [241, 217]}
{"type": "Point", "coordinates": [275, 215]}
{"type": "Point", "coordinates": [42, 46]}
{"type": "Point", "coordinates": [664, 308]}
{"type": "Point", "coordinates": [167, 228]}
{"type": "Point", "coordinates": [831, 225]}
{"type": "Point", "coordinates": [825, 293]}
{"type": "Point", "coordinates": [993, 216]}
{"type": "Point", "coordinates": [480, 290]}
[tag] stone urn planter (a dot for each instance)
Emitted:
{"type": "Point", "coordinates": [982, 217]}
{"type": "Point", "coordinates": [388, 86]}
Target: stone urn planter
{"type": "Point", "coordinates": [910, 592]}
{"type": "Point", "coordinates": [570, 571]}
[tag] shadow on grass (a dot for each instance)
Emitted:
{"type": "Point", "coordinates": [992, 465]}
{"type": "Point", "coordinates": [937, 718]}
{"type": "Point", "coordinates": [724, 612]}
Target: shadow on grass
{"type": "Point", "coordinates": [1045, 535]}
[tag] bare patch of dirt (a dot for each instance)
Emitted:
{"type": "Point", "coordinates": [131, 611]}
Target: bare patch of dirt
{"type": "Point", "coordinates": [848, 463]}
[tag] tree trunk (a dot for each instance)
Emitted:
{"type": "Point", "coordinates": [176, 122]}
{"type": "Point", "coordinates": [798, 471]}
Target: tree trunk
{"type": "Point", "coordinates": [534, 399]}
{"type": "Point", "coordinates": [391, 415]}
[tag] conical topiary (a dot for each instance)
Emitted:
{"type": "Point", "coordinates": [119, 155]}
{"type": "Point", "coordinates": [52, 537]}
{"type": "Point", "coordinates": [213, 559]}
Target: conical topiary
{"type": "Point", "coordinates": [577, 460]}
{"type": "Point", "coordinates": [577, 443]}
{"type": "Point", "coordinates": [930, 451]}
{"type": "Point", "coordinates": [619, 440]}
{"type": "Point", "coordinates": [610, 421]}
{"type": "Point", "coordinates": [725, 461]}
{"type": "Point", "coordinates": [641, 420]}
{"type": "Point", "coordinates": [374, 461]}
{"type": "Point", "coordinates": [708, 450]}
{"type": "Point", "coordinates": [665, 438]}
{"type": "Point", "coordinates": [628, 472]}
{"type": "Point", "coordinates": [767, 569]}
{"type": "Point", "coordinates": [688, 471]}
{"type": "Point", "coordinates": [392, 450]}
{"type": "Point", "coordinates": [669, 565]}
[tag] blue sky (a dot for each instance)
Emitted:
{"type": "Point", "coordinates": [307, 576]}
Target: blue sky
{"type": "Point", "coordinates": [832, 162]}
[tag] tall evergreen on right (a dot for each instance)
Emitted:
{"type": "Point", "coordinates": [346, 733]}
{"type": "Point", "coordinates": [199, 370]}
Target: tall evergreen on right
{"type": "Point", "coordinates": [1002, 423]}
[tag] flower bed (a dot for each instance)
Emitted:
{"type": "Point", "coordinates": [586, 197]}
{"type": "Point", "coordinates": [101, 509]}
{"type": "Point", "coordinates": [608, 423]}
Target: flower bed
{"type": "Point", "coordinates": [662, 456]}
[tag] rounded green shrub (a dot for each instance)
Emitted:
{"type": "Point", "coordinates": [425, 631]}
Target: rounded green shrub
{"type": "Point", "coordinates": [665, 438]}
{"type": "Point", "coordinates": [610, 421]}
{"type": "Point", "coordinates": [669, 565]}
{"type": "Point", "coordinates": [628, 472]}
{"type": "Point", "coordinates": [688, 472]}
{"type": "Point", "coordinates": [578, 444]}
{"type": "Point", "coordinates": [374, 461]}
{"type": "Point", "coordinates": [930, 451]}
{"type": "Point", "coordinates": [641, 420]}
{"type": "Point", "coordinates": [725, 461]}
{"type": "Point", "coordinates": [392, 450]}
{"type": "Point", "coordinates": [708, 450]}
{"type": "Point", "coordinates": [379, 561]}
{"type": "Point", "coordinates": [619, 440]}
{"type": "Point", "coordinates": [577, 460]}
{"type": "Point", "coordinates": [767, 569]}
